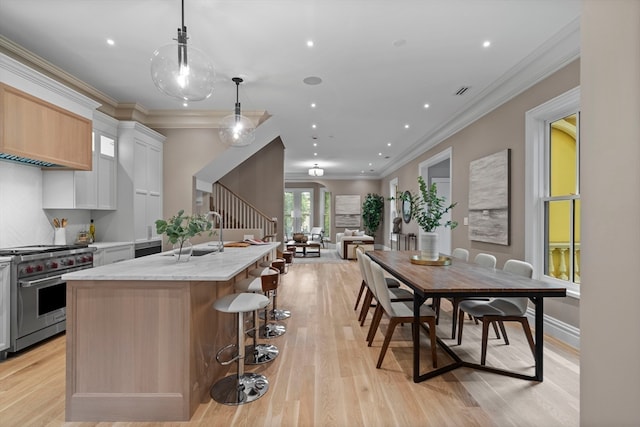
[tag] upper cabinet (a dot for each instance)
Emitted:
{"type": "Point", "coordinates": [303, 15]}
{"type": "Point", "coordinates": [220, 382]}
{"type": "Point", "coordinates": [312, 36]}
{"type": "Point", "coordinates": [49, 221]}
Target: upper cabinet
{"type": "Point", "coordinates": [139, 185]}
{"type": "Point", "coordinates": [94, 189]}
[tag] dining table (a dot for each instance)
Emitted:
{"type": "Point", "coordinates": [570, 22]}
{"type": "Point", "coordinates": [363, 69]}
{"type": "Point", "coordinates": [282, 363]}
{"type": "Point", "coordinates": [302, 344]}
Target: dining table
{"type": "Point", "coordinates": [463, 279]}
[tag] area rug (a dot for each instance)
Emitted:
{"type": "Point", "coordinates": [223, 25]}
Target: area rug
{"type": "Point", "coordinates": [327, 256]}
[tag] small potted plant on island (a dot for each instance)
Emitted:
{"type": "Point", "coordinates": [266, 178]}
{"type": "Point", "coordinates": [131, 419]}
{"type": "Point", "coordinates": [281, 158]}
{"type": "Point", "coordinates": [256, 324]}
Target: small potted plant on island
{"type": "Point", "coordinates": [427, 210]}
{"type": "Point", "coordinates": [179, 229]}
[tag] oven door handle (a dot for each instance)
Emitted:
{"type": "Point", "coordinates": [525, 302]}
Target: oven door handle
{"type": "Point", "coordinates": [45, 281]}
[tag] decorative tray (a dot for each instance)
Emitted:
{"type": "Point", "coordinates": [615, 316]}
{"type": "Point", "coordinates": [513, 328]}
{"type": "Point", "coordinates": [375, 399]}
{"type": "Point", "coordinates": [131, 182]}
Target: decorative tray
{"type": "Point", "coordinates": [443, 260]}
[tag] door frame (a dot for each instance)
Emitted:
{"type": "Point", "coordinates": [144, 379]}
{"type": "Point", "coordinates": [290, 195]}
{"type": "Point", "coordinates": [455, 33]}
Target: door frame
{"type": "Point", "coordinates": [423, 171]}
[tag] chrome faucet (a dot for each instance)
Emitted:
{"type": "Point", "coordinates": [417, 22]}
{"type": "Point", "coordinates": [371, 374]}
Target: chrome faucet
{"type": "Point", "coordinates": [220, 241]}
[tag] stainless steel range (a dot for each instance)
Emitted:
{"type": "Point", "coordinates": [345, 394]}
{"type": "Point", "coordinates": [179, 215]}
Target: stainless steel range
{"type": "Point", "coordinates": [38, 293]}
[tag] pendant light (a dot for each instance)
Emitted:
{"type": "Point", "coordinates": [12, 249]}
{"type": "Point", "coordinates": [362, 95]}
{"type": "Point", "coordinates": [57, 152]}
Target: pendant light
{"type": "Point", "coordinates": [237, 130]}
{"type": "Point", "coordinates": [180, 71]}
{"type": "Point", "coordinates": [316, 171]}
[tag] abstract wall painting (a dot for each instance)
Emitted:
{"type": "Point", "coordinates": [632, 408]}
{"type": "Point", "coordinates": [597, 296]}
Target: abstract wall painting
{"type": "Point", "coordinates": [489, 191]}
{"type": "Point", "coordinates": [348, 210]}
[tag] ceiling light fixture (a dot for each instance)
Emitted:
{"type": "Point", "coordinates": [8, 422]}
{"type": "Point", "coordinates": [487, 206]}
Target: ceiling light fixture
{"type": "Point", "coordinates": [181, 72]}
{"type": "Point", "coordinates": [316, 171]}
{"type": "Point", "coordinates": [237, 130]}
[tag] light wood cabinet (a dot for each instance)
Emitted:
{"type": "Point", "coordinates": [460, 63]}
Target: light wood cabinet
{"type": "Point", "coordinates": [94, 189]}
{"type": "Point", "coordinates": [36, 129]}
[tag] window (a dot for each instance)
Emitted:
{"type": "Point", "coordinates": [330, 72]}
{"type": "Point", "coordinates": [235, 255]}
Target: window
{"type": "Point", "coordinates": [552, 203]}
{"type": "Point", "coordinates": [298, 211]}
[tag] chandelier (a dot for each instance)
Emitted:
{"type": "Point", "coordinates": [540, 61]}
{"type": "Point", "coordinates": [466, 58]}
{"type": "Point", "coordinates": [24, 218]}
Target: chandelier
{"type": "Point", "coordinates": [316, 171]}
{"type": "Point", "coordinates": [180, 71]}
{"type": "Point", "coordinates": [237, 130]}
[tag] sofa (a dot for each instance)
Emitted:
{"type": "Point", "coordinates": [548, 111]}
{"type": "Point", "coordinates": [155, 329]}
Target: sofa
{"type": "Point", "coordinates": [349, 240]}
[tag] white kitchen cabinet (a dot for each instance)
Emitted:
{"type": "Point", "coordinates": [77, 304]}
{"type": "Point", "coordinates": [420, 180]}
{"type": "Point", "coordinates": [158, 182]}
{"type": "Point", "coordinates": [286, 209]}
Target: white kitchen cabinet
{"type": "Point", "coordinates": [4, 305]}
{"type": "Point", "coordinates": [112, 254]}
{"type": "Point", "coordinates": [94, 189]}
{"type": "Point", "coordinates": [139, 185]}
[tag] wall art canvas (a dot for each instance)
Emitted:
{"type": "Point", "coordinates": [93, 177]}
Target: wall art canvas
{"type": "Point", "coordinates": [348, 211]}
{"type": "Point", "coordinates": [489, 198]}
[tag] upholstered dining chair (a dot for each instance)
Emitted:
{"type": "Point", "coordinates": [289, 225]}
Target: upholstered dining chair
{"type": "Point", "coordinates": [485, 260]}
{"type": "Point", "coordinates": [460, 253]}
{"type": "Point", "coordinates": [500, 310]}
{"type": "Point", "coordinates": [391, 282]}
{"type": "Point", "coordinates": [398, 312]}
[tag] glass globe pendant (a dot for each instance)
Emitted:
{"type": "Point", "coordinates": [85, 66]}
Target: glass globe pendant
{"type": "Point", "coordinates": [237, 130]}
{"type": "Point", "coordinates": [182, 71]}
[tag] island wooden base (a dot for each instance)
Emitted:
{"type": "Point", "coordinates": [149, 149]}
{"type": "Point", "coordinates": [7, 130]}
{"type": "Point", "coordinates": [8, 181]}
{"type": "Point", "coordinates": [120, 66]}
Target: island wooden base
{"type": "Point", "coordinates": [143, 350]}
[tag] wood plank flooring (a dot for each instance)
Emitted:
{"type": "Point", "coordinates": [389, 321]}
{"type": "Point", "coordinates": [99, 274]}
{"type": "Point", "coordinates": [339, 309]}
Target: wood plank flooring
{"type": "Point", "coordinates": [326, 376]}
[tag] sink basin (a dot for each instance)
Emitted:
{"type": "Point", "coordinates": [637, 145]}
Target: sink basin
{"type": "Point", "coordinates": [203, 251]}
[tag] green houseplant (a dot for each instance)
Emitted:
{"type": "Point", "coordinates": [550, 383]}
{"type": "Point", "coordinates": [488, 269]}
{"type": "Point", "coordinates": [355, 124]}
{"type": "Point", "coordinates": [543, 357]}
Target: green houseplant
{"type": "Point", "coordinates": [180, 228]}
{"type": "Point", "coordinates": [427, 209]}
{"type": "Point", "coordinates": [372, 210]}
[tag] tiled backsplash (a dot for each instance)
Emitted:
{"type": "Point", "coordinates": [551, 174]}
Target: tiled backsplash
{"type": "Point", "coordinates": [22, 219]}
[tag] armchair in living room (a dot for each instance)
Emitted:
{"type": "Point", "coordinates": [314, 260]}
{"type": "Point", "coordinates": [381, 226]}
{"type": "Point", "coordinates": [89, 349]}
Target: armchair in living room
{"type": "Point", "coordinates": [317, 235]}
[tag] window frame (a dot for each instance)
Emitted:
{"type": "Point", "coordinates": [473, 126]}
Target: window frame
{"type": "Point", "coordinates": [537, 175]}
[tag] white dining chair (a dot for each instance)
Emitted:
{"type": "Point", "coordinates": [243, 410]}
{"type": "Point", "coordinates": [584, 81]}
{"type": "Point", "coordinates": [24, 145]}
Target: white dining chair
{"type": "Point", "coordinates": [398, 312]}
{"type": "Point", "coordinates": [499, 310]}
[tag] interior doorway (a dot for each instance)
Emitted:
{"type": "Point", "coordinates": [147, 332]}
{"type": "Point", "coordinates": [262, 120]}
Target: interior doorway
{"type": "Point", "coordinates": [437, 169]}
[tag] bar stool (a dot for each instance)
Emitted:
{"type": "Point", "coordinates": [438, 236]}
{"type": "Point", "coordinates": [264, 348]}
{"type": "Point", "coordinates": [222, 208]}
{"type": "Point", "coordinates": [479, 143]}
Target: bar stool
{"type": "Point", "coordinates": [288, 259]}
{"type": "Point", "coordinates": [275, 313]}
{"type": "Point", "coordinates": [267, 282]}
{"type": "Point", "coordinates": [243, 387]}
{"type": "Point", "coordinates": [258, 353]}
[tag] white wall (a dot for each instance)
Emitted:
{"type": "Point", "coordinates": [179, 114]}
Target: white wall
{"type": "Point", "coordinates": [610, 177]}
{"type": "Point", "coordinates": [22, 220]}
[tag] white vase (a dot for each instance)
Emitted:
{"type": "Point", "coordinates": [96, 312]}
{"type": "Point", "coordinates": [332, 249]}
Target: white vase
{"type": "Point", "coordinates": [182, 253]}
{"type": "Point", "coordinates": [429, 246]}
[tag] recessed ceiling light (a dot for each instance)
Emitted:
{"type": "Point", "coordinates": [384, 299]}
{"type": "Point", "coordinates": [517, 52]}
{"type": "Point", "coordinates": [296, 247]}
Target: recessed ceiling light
{"type": "Point", "coordinates": [312, 80]}
{"type": "Point", "coordinates": [185, 104]}
{"type": "Point", "coordinates": [313, 105]}
{"type": "Point", "coordinates": [315, 144]}
{"type": "Point", "coordinates": [487, 43]}
{"type": "Point", "coordinates": [309, 43]}
{"type": "Point", "coordinates": [314, 126]}
{"type": "Point", "coordinates": [361, 171]}
{"type": "Point", "coordinates": [315, 154]}
{"type": "Point", "coordinates": [110, 42]}
{"type": "Point", "coordinates": [406, 126]}
{"type": "Point", "coordinates": [379, 154]}
{"type": "Point", "coordinates": [388, 144]}
{"type": "Point", "coordinates": [370, 164]}
{"type": "Point", "coordinates": [426, 105]}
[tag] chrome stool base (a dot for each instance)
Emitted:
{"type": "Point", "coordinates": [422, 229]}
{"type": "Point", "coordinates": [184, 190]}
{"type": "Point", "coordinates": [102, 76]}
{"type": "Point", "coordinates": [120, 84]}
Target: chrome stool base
{"type": "Point", "coordinates": [271, 330]}
{"type": "Point", "coordinates": [261, 353]}
{"type": "Point", "coordinates": [233, 391]}
{"type": "Point", "coordinates": [276, 314]}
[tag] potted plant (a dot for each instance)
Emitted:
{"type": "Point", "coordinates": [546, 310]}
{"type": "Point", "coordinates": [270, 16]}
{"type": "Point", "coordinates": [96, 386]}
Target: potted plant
{"type": "Point", "coordinates": [427, 210]}
{"type": "Point", "coordinates": [372, 210]}
{"type": "Point", "coordinates": [179, 229]}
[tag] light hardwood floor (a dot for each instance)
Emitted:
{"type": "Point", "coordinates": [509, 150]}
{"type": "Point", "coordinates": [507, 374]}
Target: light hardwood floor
{"type": "Point", "coordinates": [326, 376]}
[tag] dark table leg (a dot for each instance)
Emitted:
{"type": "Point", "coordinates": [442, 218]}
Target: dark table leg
{"type": "Point", "coordinates": [538, 301]}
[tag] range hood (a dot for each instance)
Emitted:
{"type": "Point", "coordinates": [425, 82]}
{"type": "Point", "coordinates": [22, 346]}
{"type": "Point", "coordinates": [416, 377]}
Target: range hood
{"type": "Point", "coordinates": [29, 162]}
{"type": "Point", "coordinates": [42, 122]}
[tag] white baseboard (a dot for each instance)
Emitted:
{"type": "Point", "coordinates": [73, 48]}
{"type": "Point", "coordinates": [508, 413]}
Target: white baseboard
{"type": "Point", "coordinates": [562, 331]}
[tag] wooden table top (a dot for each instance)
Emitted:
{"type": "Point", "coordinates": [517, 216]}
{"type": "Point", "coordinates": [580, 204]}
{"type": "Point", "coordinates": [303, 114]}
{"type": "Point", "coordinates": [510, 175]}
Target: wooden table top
{"type": "Point", "coordinates": [461, 278]}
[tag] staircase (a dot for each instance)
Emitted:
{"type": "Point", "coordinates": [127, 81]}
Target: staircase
{"type": "Point", "coordinates": [237, 213]}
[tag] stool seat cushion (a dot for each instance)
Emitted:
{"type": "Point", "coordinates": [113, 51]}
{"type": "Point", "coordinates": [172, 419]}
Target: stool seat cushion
{"type": "Point", "coordinates": [241, 303]}
{"type": "Point", "coordinates": [250, 284]}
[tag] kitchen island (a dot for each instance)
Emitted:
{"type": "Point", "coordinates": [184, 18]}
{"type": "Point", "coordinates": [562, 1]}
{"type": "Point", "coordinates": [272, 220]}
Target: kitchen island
{"type": "Point", "coordinates": [142, 335]}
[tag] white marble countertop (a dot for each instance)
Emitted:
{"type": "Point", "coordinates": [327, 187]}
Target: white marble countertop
{"type": "Point", "coordinates": [163, 267]}
{"type": "Point", "coordinates": [5, 258]}
{"type": "Point", "coordinates": [104, 245]}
